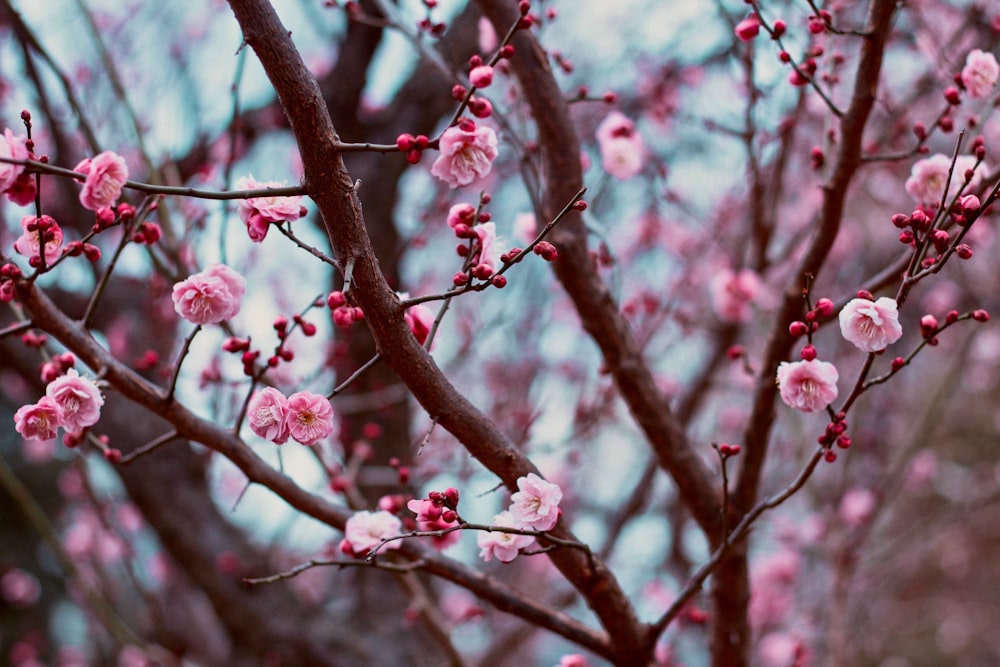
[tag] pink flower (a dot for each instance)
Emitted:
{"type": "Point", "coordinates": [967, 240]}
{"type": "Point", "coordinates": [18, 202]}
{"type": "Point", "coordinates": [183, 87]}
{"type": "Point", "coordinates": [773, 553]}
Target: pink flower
{"type": "Point", "coordinates": [928, 177]}
{"type": "Point", "coordinates": [747, 29]}
{"type": "Point", "coordinates": [623, 151]}
{"type": "Point", "coordinates": [365, 530]}
{"type": "Point", "coordinates": [733, 293]}
{"type": "Point", "coordinates": [420, 319]}
{"type": "Point", "coordinates": [310, 417]}
{"type": "Point", "coordinates": [467, 154]}
{"type": "Point", "coordinates": [39, 421]}
{"type": "Point", "coordinates": [79, 399]}
{"type": "Point", "coordinates": [27, 243]}
{"type": "Point", "coordinates": [489, 249]}
{"type": "Point", "coordinates": [267, 414]}
{"type": "Point", "coordinates": [536, 503]}
{"type": "Point", "coordinates": [487, 35]}
{"type": "Point", "coordinates": [980, 73]}
{"type": "Point", "coordinates": [525, 227]}
{"type": "Point", "coordinates": [807, 385]}
{"type": "Point", "coordinates": [871, 326]}
{"type": "Point", "coordinates": [481, 76]}
{"type": "Point", "coordinates": [505, 546]}
{"type": "Point", "coordinates": [259, 212]}
{"type": "Point", "coordinates": [106, 174]}
{"type": "Point", "coordinates": [211, 296]}
{"type": "Point", "coordinates": [461, 214]}
{"type": "Point", "coordinates": [857, 507]}
{"type": "Point", "coordinates": [573, 660]}
{"type": "Point", "coordinates": [11, 148]}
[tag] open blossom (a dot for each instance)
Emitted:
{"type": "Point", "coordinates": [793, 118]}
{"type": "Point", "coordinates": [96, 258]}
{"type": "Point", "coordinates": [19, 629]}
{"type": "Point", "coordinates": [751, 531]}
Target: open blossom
{"type": "Point", "coordinates": [267, 414]}
{"type": "Point", "coordinates": [467, 154]}
{"type": "Point", "coordinates": [310, 417]}
{"type": "Point", "coordinates": [733, 293]}
{"type": "Point", "coordinates": [536, 503]}
{"type": "Point", "coordinates": [365, 530]}
{"type": "Point", "coordinates": [489, 248]}
{"type": "Point", "coordinates": [461, 214]}
{"type": "Point", "coordinates": [79, 399]}
{"type": "Point", "coordinates": [11, 148]}
{"type": "Point", "coordinates": [871, 326]}
{"type": "Point", "coordinates": [980, 73]}
{"type": "Point", "coordinates": [39, 421]}
{"type": "Point", "coordinates": [928, 177]}
{"type": "Point", "coordinates": [211, 296]}
{"type": "Point", "coordinates": [623, 151]}
{"type": "Point", "coordinates": [807, 385]}
{"type": "Point", "coordinates": [420, 319]}
{"type": "Point", "coordinates": [106, 174]}
{"type": "Point", "coordinates": [27, 243]}
{"type": "Point", "coordinates": [504, 546]}
{"type": "Point", "coordinates": [258, 213]}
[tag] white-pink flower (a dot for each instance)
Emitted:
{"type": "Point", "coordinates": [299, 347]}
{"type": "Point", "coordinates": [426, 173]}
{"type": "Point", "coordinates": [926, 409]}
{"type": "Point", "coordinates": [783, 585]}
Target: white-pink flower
{"type": "Point", "coordinates": [39, 421]}
{"type": "Point", "coordinates": [504, 546]}
{"type": "Point", "coordinates": [489, 249]}
{"type": "Point", "coordinates": [467, 154]}
{"type": "Point", "coordinates": [259, 212]}
{"type": "Point", "coordinates": [733, 293]}
{"type": "Point", "coordinates": [209, 297]}
{"type": "Point", "coordinates": [623, 151]}
{"type": "Point", "coordinates": [106, 174]}
{"type": "Point", "coordinates": [11, 148]}
{"type": "Point", "coordinates": [79, 399]}
{"type": "Point", "coordinates": [928, 177]}
{"type": "Point", "coordinates": [461, 214]}
{"type": "Point", "coordinates": [980, 73]}
{"type": "Point", "coordinates": [310, 417]}
{"type": "Point", "coordinates": [27, 243]}
{"type": "Point", "coordinates": [857, 507]}
{"type": "Point", "coordinates": [267, 413]}
{"type": "Point", "coordinates": [871, 326]}
{"type": "Point", "coordinates": [536, 503]}
{"type": "Point", "coordinates": [807, 385]}
{"type": "Point", "coordinates": [366, 530]}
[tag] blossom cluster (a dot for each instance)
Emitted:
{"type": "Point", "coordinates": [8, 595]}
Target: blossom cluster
{"type": "Point", "coordinates": [305, 417]}
{"type": "Point", "coordinates": [211, 296]}
{"type": "Point", "coordinates": [535, 506]}
{"type": "Point", "coordinates": [106, 175]}
{"type": "Point", "coordinates": [71, 402]}
{"type": "Point", "coordinates": [15, 183]}
{"type": "Point", "coordinates": [623, 152]}
{"type": "Point", "coordinates": [258, 213]}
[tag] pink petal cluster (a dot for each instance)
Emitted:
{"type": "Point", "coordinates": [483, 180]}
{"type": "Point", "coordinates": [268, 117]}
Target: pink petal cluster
{"type": "Point", "coordinates": [980, 73]}
{"type": "Point", "coordinates": [71, 402]}
{"type": "Point", "coordinates": [209, 297]}
{"type": "Point", "coordinates": [106, 174]}
{"type": "Point", "coordinates": [267, 413]}
{"type": "Point", "coordinates": [462, 214]}
{"type": "Point", "coordinates": [536, 503]}
{"type": "Point", "coordinates": [305, 417]}
{"type": "Point", "coordinates": [928, 177]}
{"type": "Point", "coordinates": [365, 530]}
{"type": "Point", "coordinates": [623, 152]}
{"type": "Point", "coordinates": [807, 385]}
{"type": "Point", "coordinates": [503, 546]}
{"type": "Point", "coordinates": [11, 148]}
{"type": "Point", "coordinates": [259, 212]}
{"type": "Point", "coordinates": [733, 293]}
{"type": "Point", "coordinates": [467, 154]}
{"type": "Point", "coordinates": [429, 518]}
{"type": "Point", "coordinates": [871, 326]}
{"type": "Point", "coordinates": [489, 250]}
{"type": "Point", "coordinates": [420, 319]}
{"type": "Point", "coordinates": [27, 243]}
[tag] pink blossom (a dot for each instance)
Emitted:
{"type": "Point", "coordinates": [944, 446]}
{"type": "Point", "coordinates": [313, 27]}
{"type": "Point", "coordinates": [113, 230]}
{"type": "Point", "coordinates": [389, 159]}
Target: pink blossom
{"type": "Point", "coordinates": [980, 73]}
{"type": "Point", "coordinates": [489, 249]}
{"type": "Point", "coordinates": [525, 227]}
{"type": "Point", "coordinates": [928, 177]}
{"type": "Point", "coordinates": [365, 530]}
{"type": "Point", "coordinates": [747, 29]}
{"type": "Point", "coordinates": [536, 503]}
{"type": "Point", "coordinates": [39, 421]}
{"type": "Point", "coordinates": [259, 212]}
{"type": "Point", "coordinates": [267, 413]}
{"type": "Point", "coordinates": [505, 546]}
{"type": "Point", "coordinates": [467, 154]}
{"type": "Point", "coordinates": [733, 293]}
{"type": "Point", "coordinates": [11, 148]}
{"type": "Point", "coordinates": [211, 296]}
{"type": "Point", "coordinates": [27, 243]}
{"type": "Point", "coordinates": [310, 417]}
{"type": "Point", "coordinates": [461, 214]}
{"type": "Point", "coordinates": [807, 385]}
{"type": "Point", "coordinates": [623, 151]}
{"type": "Point", "coordinates": [487, 35]}
{"type": "Point", "coordinates": [871, 326]}
{"type": "Point", "coordinates": [481, 76]}
{"type": "Point", "coordinates": [857, 507]}
{"type": "Point", "coordinates": [106, 174]}
{"type": "Point", "coordinates": [573, 660]}
{"type": "Point", "coordinates": [19, 588]}
{"type": "Point", "coordinates": [420, 319]}
{"type": "Point", "coordinates": [79, 399]}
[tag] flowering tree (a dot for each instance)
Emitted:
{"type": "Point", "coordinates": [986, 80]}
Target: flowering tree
{"type": "Point", "coordinates": [696, 365]}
